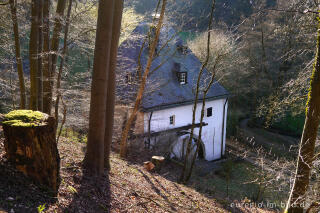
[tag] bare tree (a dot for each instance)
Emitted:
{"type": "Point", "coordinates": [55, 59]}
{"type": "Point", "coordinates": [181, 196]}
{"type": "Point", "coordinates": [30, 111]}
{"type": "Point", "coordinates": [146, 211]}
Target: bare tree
{"type": "Point", "coordinates": [13, 7]}
{"type": "Point", "coordinates": [47, 90]}
{"type": "Point", "coordinates": [296, 202]}
{"type": "Point", "coordinates": [118, 10]}
{"type": "Point", "coordinates": [33, 54]}
{"type": "Point", "coordinates": [94, 158]}
{"type": "Point", "coordinates": [40, 54]}
{"type": "Point", "coordinates": [183, 177]}
{"type": "Point", "coordinates": [62, 61]}
{"type": "Point", "coordinates": [124, 134]}
{"type": "Point", "coordinates": [47, 83]}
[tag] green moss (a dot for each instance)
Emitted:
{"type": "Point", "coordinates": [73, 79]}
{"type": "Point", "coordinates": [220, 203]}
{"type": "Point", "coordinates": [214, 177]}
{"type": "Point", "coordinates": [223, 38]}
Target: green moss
{"type": "Point", "coordinates": [24, 118]}
{"type": "Point", "coordinates": [315, 72]}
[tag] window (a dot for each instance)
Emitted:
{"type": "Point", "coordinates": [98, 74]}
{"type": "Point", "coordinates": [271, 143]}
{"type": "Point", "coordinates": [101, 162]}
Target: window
{"type": "Point", "coordinates": [209, 112]}
{"type": "Point", "coordinates": [172, 120]}
{"type": "Point", "coordinates": [128, 78]}
{"type": "Point", "coordinates": [182, 77]}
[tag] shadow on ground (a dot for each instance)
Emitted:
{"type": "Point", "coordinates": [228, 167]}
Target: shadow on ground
{"type": "Point", "coordinates": [93, 195]}
{"type": "Point", "coordinates": [20, 194]}
{"type": "Point", "coordinates": [161, 190]}
{"type": "Point", "coordinates": [208, 179]}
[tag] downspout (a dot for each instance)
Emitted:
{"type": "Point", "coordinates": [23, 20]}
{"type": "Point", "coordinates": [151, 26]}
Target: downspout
{"type": "Point", "coordinates": [149, 130]}
{"type": "Point", "coordinates": [223, 124]}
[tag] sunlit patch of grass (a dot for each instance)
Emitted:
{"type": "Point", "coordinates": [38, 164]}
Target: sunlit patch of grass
{"type": "Point", "coordinates": [130, 20]}
{"type": "Point", "coordinates": [73, 135]}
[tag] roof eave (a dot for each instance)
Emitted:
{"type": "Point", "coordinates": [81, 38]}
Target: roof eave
{"type": "Point", "coordinates": [167, 106]}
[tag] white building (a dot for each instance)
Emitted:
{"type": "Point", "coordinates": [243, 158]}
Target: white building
{"type": "Point", "coordinates": [169, 94]}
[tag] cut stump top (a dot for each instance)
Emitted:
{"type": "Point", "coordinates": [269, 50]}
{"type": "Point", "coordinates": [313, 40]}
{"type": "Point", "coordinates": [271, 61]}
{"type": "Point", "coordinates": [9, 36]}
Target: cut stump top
{"type": "Point", "coordinates": [158, 158]}
{"type": "Point", "coordinates": [25, 118]}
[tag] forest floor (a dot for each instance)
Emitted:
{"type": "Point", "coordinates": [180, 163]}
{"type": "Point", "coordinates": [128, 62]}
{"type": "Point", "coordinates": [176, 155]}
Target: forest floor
{"type": "Point", "coordinates": [128, 187]}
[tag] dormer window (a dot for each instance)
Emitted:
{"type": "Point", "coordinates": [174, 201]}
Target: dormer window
{"type": "Point", "coordinates": [182, 77]}
{"type": "Point", "coordinates": [128, 78]}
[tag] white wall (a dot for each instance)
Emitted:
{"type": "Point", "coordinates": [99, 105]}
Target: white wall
{"type": "Point", "coordinates": [211, 134]}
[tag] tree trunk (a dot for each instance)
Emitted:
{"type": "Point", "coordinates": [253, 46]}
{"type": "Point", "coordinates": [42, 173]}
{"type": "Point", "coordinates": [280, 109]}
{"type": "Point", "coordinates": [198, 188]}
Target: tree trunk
{"type": "Point", "coordinates": [33, 54]}
{"type": "Point", "coordinates": [62, 60]}
{"type": "Point", "coordinates": [33, 151]}
{"type": "Point", "coordinates": [200, 130]}
{"type": "Point", "coordinates": [296, 202]}
{"type": "Point", "coordinates": [46, 59]}
{"type": "Point", "coordinates": [149, 130]}
{"type": "Point", "coordinates": [40, 49]}
{"type": "Point", "coordinates": [94, 159]}
{"type": "Point", "coordinates": [124, 135]}
{"type": "Point", "coordinates": [118, 8]}
{"type": "Point", "coordinates": [185, 165]}
{"type": "Point", "coordinates": [54, 53]}
{"type": "Point", "coordinates": [13, 8]}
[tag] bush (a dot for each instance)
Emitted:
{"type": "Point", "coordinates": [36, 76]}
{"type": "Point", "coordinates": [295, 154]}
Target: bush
{"type": "Point", "coordinates": [290, 124]}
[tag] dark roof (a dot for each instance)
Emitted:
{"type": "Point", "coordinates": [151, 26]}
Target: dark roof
{"type": "Point", "coordinates": [163, 89]}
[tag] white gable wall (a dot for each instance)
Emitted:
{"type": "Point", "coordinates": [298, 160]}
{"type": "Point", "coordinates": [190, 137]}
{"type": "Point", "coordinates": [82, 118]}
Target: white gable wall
{"type": "Point", "coordinates": [211, 134]}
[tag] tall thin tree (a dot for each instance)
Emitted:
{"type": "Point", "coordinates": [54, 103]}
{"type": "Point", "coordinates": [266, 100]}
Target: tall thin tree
{"type": "Point", "coordinates": [184, 175]}
{"type": "Point", "coordinates": [118, 9]}
{"type": "Point", "coordinates": [33, 54]}
{"type": "Point", "coordinates": [54, 48]}
{"type": "Point", "coordinates": [94, 158]}
{"type": "Point", "coordinates": [125, 132]}
{"type": "Point", "coordinates": [13, 7]}
{"type": "Point", "coordinates": [296, 202]}
{"type": "Point", "coordinates": [46, 58]}
{"type": "Point", "coordinates": [62, 60]}
{"type": "Point", "coordinates": [40, 54]}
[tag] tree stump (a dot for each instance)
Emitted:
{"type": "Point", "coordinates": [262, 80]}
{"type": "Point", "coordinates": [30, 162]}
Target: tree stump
{"type": "Point", "coordinates": [148, 165]}
{"type": "Point", "coordinates": [30, 144]}
{"type": "Point", "coordinates": [158, 162]}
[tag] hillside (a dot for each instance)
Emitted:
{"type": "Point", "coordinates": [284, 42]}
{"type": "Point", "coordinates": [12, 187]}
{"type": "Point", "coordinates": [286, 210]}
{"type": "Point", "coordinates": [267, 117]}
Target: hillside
{"type": "Point", "coordinates": [227, 12]}
{"type": "Point", "coordinates": [127, 188]}
{"type": "Point", "coordinates": [123, 78]}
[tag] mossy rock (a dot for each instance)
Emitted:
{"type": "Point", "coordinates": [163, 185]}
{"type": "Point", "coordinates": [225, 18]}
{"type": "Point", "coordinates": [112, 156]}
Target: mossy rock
{"type": "Point", "coordinates": [25, 118]}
